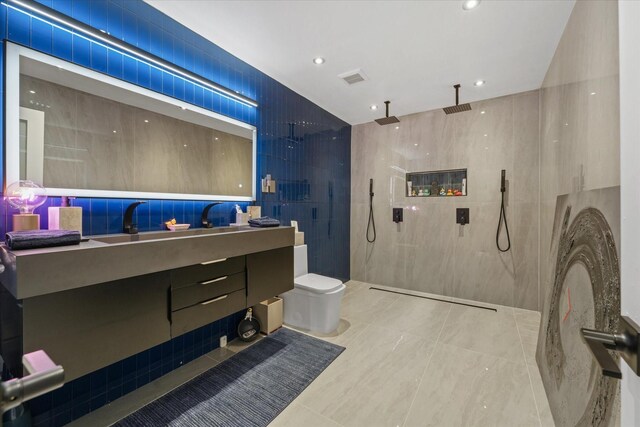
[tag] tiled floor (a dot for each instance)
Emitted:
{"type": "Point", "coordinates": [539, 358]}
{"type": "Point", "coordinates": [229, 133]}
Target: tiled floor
{"type": "Point", "coordinates": [408, 362]}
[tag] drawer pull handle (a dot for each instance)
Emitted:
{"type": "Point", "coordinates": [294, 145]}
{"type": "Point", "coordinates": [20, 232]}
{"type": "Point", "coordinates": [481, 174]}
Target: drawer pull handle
{"type": "Point", "coordinates": [214, 300]}
{"type": "Point", "coordinates": [217, 279]}
{"type": "Point", "coordinates": [213, 261]}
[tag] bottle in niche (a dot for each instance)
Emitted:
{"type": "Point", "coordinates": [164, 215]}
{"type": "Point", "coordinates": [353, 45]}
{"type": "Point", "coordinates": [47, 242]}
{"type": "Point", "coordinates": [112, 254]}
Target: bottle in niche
{"type": "Point", "coordinates": [434, 187]}
{"type": "Point", "coordinates": [464, 186]}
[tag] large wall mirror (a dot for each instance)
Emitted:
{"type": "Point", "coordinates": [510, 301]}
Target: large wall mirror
{"type": "Point", "coordinates": [81, 133]}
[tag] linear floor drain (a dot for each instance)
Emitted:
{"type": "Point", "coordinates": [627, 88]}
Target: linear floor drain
{"type": "Point", "coordinates": [434, 299]}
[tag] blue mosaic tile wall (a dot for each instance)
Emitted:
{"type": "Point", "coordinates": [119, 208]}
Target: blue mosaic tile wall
{"type": "Point", "coordinates": [306, 149]}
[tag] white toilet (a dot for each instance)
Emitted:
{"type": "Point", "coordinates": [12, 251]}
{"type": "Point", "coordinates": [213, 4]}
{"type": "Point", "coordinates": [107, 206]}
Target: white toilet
{"type": "Point", "coordinates": [314, 302]}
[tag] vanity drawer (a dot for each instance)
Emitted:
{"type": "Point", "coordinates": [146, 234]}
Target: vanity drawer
{"type": "Point", "coordinates": [206, 290]}
{"type": "Point", "coordinates": [206, 271]}
{"type": "Point", "coordinates": [193, 317]}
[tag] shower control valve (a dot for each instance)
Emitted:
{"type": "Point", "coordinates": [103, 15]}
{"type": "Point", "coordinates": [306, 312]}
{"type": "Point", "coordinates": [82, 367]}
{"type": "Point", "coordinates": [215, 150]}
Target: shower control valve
{"type": "Point", "coordinates": [462, 216]}
{"type": "Point", "coordinates": [397, 215]}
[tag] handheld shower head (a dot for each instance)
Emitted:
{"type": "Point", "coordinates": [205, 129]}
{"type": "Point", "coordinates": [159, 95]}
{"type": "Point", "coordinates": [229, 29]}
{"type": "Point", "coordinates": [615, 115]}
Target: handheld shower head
{"type": "Point", "coordinates": [387, 120]}
{"type": "Point", "coordinates": [458, 108]}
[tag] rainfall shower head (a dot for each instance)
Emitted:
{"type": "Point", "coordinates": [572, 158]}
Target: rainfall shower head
{"type": "Point", "coordinates": [387, 120]}
{"type": "Point", "coordinates": [458, 108]}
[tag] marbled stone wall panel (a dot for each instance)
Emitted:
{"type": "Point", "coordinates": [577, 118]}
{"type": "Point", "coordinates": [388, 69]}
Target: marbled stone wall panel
{"type": "Point", "coordinates": [579, 115]}
{"type": "Point", "coordinates": [428, 251]}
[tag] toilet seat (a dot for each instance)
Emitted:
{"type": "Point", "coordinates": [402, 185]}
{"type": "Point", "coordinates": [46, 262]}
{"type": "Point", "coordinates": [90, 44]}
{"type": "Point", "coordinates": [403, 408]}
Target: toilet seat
{"type": "Point", "coordinates": [314, 302]}
{"type": "Point", "coordinates": [317, 284]}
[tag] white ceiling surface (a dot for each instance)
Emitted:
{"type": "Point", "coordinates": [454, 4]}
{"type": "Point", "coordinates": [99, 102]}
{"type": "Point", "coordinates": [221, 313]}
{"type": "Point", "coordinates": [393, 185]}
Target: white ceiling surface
{"type": "Point", "coordinates": [411, 51]}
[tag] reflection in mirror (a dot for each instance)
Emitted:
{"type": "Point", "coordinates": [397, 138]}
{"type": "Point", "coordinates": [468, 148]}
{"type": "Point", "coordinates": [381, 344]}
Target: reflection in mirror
{"type": "Point", "coordinates": [79, 133]}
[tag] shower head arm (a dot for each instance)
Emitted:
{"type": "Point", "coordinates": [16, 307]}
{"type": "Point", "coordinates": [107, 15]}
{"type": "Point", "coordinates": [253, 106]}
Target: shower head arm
{"type": "Point", "coordinates": [457, 88]}
{"type": "Point", "coordinates": [386, 103]}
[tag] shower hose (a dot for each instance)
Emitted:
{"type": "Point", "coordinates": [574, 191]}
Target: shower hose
{"type": "Point", "coordinates": [503, 216]}
{"type": "Point", "coordinates": [372, 222]}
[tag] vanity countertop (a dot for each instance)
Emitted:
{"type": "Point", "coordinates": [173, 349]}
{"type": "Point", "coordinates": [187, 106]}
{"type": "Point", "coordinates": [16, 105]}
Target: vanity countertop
{"type": "Point", "coordinates": [34, 272]}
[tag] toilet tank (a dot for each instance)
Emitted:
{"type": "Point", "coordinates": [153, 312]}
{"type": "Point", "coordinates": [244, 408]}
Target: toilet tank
{"type": "Point", "coordinates": [300, 261]}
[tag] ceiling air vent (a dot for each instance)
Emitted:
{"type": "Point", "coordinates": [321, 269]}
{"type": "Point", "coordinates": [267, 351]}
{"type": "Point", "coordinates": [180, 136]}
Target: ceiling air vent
{"type": "Point", "coordinates": [353, 77]}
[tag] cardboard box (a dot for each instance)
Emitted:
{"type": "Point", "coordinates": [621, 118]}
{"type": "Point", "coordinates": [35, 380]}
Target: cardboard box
{"type": "Point", "coordinates": [269, 314]}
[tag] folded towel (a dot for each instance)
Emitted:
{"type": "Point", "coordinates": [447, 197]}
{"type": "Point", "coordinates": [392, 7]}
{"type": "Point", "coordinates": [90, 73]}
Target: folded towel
{"type": "Point", "coordinates": [264, 221]}
{"type": "Point", "coordinates": [33, 239]}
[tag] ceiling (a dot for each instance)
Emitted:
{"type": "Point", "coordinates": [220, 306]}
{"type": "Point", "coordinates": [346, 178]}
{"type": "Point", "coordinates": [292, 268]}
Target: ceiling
{"type": "Point", "coordinates": [411, 51]}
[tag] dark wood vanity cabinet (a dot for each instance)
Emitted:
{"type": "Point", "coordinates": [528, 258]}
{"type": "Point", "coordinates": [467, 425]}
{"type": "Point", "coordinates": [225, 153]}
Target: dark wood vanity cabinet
{"type": "Point", "coordinates": [205, 292]}
{"type": "Point", "coordinates": [269, 273]}
{"type": "Point", "coordinates": [91, 327]}
{"type": "Point", "coordinates": [88, 328]}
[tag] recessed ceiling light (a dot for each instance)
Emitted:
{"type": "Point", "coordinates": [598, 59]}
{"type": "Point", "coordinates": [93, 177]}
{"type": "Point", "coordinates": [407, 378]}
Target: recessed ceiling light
{"type": "Point", "coordinates": [115, 131]}
{"type": "Point", "coordinates": [374, 107]}
{"type": "Point", "coordinates": [479, 83]}
{"type": "Point", "coordinates": [318, 60]}
{"type": "Point", "coordinates": [482, 112]}
{"type": "Point", "coordinates": [415, 145]}
{"type": "Point", "coordinates": [32, 91]}
{"type": "Point", "coordinates": [486, 134]}
{"type": "Point", "coordinates": [185, 145]}
{"type": "Point", "coordinates": [592, 93]}
{"type": "Point", "coordinates": [470, 4]}
{"type": "Point", "coordinates": [240, 185]}
{"type": "Point", "coordinates": [146, 121]}
{"type": "Point", "coordinates": [397, 127]}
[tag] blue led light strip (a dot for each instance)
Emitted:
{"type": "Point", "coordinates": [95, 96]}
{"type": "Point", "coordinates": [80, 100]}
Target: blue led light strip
{"type": "Point", "coordinates": [108, 42]}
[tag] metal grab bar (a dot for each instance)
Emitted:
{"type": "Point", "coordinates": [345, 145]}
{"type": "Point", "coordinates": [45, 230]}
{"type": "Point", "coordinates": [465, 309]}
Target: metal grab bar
{"type": "Point", "coordinates": [43, 376]}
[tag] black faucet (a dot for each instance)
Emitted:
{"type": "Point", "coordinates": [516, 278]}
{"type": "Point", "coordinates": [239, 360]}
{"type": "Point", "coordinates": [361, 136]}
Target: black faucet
{"type": "Point", "coordinates": [205, 215]}
{"type": "Point", "coordinates": [127, 225]}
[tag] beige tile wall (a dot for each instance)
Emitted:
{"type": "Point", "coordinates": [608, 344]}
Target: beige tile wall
{"type": "Point", "coordinates": [429, 251]}
{"type": "Point", "coordinates": [579, 132]}
{"type": "Point", "coordinates": [579, 151]}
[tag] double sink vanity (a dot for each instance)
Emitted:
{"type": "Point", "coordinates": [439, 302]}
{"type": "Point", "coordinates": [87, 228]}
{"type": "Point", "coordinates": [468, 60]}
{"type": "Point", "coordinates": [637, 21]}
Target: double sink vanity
{"type": "Point", "coordinates": [117, 295]}
{"type": "Point", "coordinates": [114, 296]}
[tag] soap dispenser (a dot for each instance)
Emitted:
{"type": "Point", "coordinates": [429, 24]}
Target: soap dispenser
{"type": "Point", "coordinates": [65, 217]}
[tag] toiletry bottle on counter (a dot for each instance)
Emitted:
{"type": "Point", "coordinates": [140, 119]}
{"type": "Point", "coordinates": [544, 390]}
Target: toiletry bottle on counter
{"type": "Point", "coordinates": [241, 218]}
{"type": "Point", "coordinates": [65, 217]}
{"type": "Point", "coordinates": [464, 186]}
